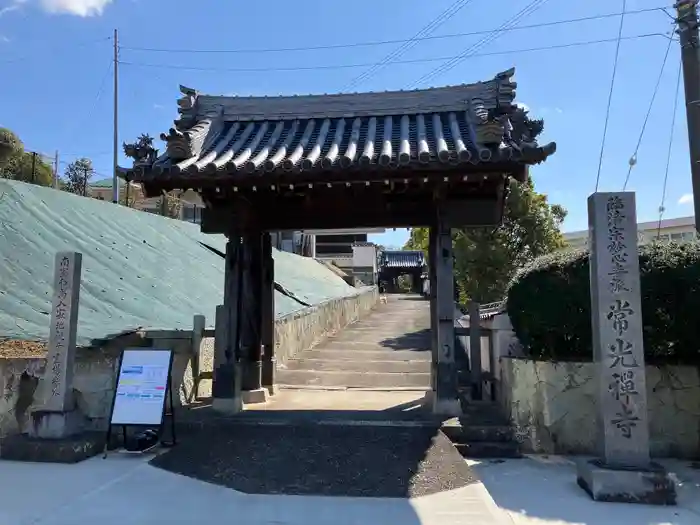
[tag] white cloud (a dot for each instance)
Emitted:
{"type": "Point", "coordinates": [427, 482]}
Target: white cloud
{"type": "Point", "coordinates": [9, 9]}
{"type": "Point", "coordinates": [524, 107]}
{"type": "Point", "coordinates": [686, 199]}
{"type": "Point", "coordinates": [76, 7]}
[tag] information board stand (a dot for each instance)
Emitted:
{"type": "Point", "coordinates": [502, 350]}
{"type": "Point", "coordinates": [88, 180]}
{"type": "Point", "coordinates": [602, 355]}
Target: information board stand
{"type": "Point", "coordinates": [143, 397]}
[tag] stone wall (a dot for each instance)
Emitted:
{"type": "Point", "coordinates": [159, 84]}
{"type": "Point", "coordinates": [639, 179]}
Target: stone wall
{"type": "Point", "coordinates": [22, 386]}
{"type": "Point", "coordinates": [552, 406]}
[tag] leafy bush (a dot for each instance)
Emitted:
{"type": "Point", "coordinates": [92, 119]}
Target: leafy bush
{"type": "Point", "coordinates": [549, 305]}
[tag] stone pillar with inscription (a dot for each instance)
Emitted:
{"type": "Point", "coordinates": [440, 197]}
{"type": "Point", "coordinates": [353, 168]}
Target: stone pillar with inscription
{"type": "Point", "coordinates": [624, 471]}
{"type": "Point", "coordinates": [56, 416]}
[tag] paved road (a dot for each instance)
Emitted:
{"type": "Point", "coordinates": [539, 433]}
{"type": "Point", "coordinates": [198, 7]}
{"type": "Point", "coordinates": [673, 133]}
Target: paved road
{"type": "Point", "coordinates": [388, 349]}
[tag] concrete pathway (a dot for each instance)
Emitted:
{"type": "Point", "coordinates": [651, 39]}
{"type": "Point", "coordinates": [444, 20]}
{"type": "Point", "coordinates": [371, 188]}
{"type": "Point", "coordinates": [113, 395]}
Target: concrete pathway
{"type": "Point", "coordinates": [125, 489]}
{"type": "Point", "coordinates": [390, 348]}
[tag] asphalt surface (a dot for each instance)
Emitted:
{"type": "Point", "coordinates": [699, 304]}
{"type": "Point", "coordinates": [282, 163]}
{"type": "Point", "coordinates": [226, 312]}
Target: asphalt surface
{"type": "Point", "coordinates": [334, 460]}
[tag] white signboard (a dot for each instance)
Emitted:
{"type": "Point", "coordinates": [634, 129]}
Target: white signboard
{"type": "Point", "coordinates": [142, 386]}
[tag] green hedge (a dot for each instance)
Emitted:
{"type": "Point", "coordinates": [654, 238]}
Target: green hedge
{"type": "Point", "coordinates": [549, 305]}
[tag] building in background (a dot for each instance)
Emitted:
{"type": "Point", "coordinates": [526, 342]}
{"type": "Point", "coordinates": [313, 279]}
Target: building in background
{"type": "Point", "coordinates": [681, 229]}
{"type": "Point", "coordinates": [102, 190]}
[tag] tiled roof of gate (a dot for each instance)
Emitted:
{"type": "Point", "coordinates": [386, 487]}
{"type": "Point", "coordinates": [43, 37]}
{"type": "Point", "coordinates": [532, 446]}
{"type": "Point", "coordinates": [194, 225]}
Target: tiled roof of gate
{"type": "Point", "coordinates": [403, 259]}
{"type": "Point", "coordinates": [468, 123]}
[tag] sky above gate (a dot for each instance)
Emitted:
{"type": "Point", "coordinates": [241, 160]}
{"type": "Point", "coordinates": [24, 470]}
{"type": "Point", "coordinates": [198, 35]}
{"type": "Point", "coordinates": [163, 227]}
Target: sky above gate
{"type": "Point", "coordinates": [56, 89]}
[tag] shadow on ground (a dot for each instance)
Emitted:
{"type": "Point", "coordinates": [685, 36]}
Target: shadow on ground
{"type": "Point", "coordinates": [418, 341]}
{"type": "Point", "coordinates": [392, 453]}
{"type": "Point", "coordinates": [519, 486]}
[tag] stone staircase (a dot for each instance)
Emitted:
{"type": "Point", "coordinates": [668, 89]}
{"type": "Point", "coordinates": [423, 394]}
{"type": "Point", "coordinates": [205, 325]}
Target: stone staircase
{"type": "Point", "coordinates": [390, 349]}
{"type": "Point", "coordinates": [482, 432]}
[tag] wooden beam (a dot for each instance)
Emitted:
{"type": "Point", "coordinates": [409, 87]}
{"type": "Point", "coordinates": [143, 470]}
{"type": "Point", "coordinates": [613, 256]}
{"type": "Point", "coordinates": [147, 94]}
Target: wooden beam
{"type": "Point", "coordinates": [475, 350]}
{"type": "Point", "coordinates": [446, 399]}
{"type": "Point", "coordinates": [251, 312]}
{"type": "Point", "coordinates": [361, 211]}
{"type": "Point", "coordinates": [267, 294]}
{"type": "Point", "coordinates": [432, 253]}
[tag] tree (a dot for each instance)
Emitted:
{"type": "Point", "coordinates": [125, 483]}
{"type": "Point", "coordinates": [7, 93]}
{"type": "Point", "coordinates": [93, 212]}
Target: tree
{"type": "Point", "coordinates": [486, 259]}
{"type": "Point", "coordinates": [78, 175]}
{"type": "Point", "coordinates": [18, 164]}
{"type": "Point", "coordinates": [10, 145]}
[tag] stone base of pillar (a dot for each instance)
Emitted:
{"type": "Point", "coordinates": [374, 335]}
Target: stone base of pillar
{"type": "Point", "coordinates": [651, 486]}
{"type": "Point", "coordinates": [272, 390]}
{"type": "Point", "coordinates": [259, 395]}
{"type": "Point", "coordinates": [49, 424]}
{"type": "Point", "coordinates": [446, 406]}
{"type": "Point", "coordinates": [54, 437]}
{"type": "Point", "coordinates": [227, 405]}
{"type": "Point", "coordinates": [251, 375]}
{"type": "Point", "coordinates": [269, 369]}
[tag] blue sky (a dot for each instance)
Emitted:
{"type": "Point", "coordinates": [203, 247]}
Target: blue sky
{"type": "Point", "coordinates": [57, 93]}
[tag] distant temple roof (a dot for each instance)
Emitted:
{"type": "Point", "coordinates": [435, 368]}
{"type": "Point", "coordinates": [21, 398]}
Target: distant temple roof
{"type": "Point", "coordinates": [403, 259]}
{"type": "Point", "coordinates": [248, 136]}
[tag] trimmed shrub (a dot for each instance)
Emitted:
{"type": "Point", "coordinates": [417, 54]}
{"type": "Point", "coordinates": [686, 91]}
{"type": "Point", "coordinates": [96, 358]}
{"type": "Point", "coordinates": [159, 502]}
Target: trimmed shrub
{"type": "Point", "coordinates": [549, 305]}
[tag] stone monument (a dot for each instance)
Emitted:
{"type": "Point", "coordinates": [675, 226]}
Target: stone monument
{"type": "Point", "coordinates": [57, 432]}
{"type": "Point", "coordinates": [624, 471]}
{"type": "Point", "coordinates": [56, 416]}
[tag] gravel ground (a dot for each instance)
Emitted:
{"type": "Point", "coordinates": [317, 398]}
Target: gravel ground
{"type": "Point", "coordinates": [329, 460]}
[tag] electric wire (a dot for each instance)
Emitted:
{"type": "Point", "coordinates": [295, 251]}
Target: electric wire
{"type": "Point", "coordinates": [397, 53]}
{"type": "Point", "coordinates": [670, 145]}
{"type": "Point", "coordinates": [610, 94]}
{"type": "Point", "coordinates": [453, 62]}
{"type": "Point", "coordinates": [408, 61]}
{"type": "Point", "coordinates": [91, 110]}
{"type": "Point", "coordinates": [633, 158]}
{"type": "Point", "coordinates": [54, 50]}
{"type": "Point", "coordinates": [386, 42]}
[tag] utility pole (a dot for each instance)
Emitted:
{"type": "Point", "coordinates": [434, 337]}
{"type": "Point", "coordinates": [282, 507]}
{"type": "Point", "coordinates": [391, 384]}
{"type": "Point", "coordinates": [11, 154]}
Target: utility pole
{"type": "Point", "coordinates": [55, 171]}
{"type": "Point", "coordinates": [33, 167]}
{"type": "Point", "coordinates": [687, 20]}
{"type": "Point", "coordinates": [115, 145]}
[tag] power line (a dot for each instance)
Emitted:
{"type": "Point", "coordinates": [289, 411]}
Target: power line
{"type": "Point", "coordinates": [53, 50]}
{"type": "Point", "coordinates": [471, 50]}
{"type": "Point", "coordinates": [633, 158]}
{"type": "Point", "coordinates": [670, 145]}
{"type": "Point", "coordinates": [610, 94]}
{"type": "Point", "coordinates": [98, 95]}
{"type": "Point", "coordinates": [426, 31]}
{"type": "Point", "coordinates": [387, 42]}
{"type": "Point", "coordinates": [366, 64]}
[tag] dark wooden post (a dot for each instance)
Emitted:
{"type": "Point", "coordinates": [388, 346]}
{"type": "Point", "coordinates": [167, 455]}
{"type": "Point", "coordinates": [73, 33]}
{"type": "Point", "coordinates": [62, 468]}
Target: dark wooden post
{"type": "Point", "coordinates": [446, 399]}
{"type": "Point", "coordinates": [432, 285]}
{"type": "Point", "coordinates": [251, 341]}
{"type": "Point", "coordinates": [225, 384]}
{"type": "Point", "coordinates": [475, 350]}
{"type": "Point", "coordinates": [269, 363]}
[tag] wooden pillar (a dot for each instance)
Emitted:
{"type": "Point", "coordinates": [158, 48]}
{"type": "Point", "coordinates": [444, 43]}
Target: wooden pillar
{"type": "Point", "coordinates": [475, 350]}
{"type": "Point", "coordinates": [225, 379]}
{"type": "Point", "coordinates": [269, 362]}
{"type": "Point", "coordinates": [432, 288]}
{"type": "Point", "coordinates": [446, 399]}
{"type": "Point", "coordinates": [251, 311]}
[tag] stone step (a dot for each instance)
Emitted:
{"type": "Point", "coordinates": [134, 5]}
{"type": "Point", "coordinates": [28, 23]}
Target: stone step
{"type": "Point", "coordinates": [361, 365]}
{"type": "Point", "coordinates": [325, 354]}
{"type": "Point", "coordinates": [475, 433]}
{"type": "Point", "coordinates": [351, 379]}
{"type": "Point", "coordinates": [489, 449]}
{"type": "Point", "coordinates": [372, 346]}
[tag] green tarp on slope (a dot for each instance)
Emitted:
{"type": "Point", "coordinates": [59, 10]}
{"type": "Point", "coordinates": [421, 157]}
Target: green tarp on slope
{"type": "Point", "coordinates": [139, 270]}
